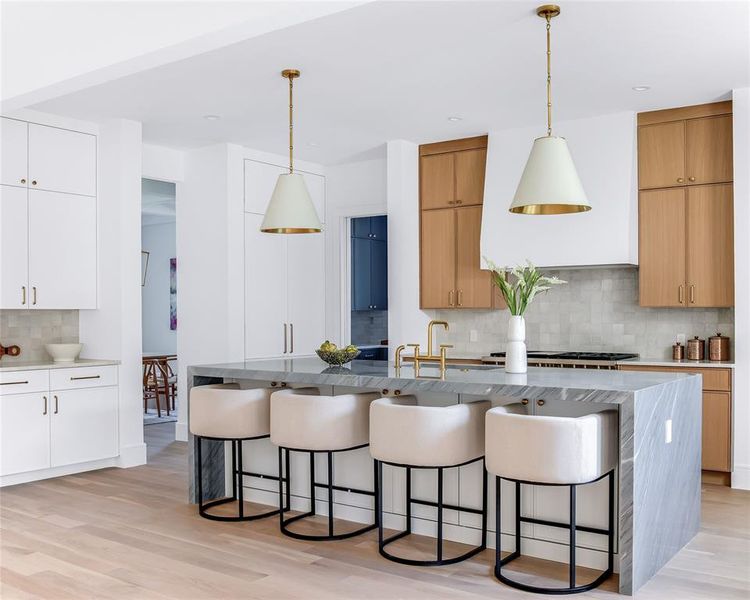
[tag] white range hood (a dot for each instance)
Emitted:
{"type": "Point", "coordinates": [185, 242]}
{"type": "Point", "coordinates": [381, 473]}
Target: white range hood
{"type": "Point", "coordinates": [604, 151]}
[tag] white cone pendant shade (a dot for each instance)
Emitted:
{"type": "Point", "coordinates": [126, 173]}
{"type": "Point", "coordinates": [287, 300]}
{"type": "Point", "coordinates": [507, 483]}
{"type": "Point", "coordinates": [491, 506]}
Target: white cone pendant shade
{"type": "Point", "coordinates": [549, 184]}
{"type": "Point", "coordinates": [291, 209]}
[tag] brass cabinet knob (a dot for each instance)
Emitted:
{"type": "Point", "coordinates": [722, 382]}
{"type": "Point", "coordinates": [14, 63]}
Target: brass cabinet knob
{"type": "Point", "coordinates": [691, 178]}
{"type": "Point", "coordinates": [274, 384]}
{"type": "Point", "coordinates": [540, 402]}
{"type": "Point", "coordinates": [459, 201]}
{"type": "Point", "coordinates": [396, 392]}
{"type": "Point", "coordinates": [23, 181]}
{"type": "Point", "coordinates": [680, 180]}
{"type": "Point", "coordinates": [525, 401]}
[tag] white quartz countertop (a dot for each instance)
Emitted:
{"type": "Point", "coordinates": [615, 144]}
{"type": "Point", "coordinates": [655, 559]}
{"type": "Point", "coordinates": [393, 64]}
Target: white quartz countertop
{"type": "Point", "coordinates": [48, 364]}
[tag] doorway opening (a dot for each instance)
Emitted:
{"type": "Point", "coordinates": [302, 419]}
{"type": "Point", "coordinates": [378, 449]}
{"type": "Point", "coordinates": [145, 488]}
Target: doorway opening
{"type": "Point", "coordinates": [369, 286]}
{"type": "Point", "coordinates": [159, 301]}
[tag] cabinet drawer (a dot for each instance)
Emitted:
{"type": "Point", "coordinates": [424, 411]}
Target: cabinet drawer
{"type": "Point", "coordinates": [82, 377]}
{"type": "Point", "coordinates": [717, 431]}
{"type": "Point", "coordinates": [23, 382]}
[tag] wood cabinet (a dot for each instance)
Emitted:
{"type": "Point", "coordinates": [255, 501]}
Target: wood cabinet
{"type": "Point", "coordinates": [686, 222]}
{"type": "Point", "coordinates": [717, 415]}
{"type": "Point", "coordinates": [451, 195]}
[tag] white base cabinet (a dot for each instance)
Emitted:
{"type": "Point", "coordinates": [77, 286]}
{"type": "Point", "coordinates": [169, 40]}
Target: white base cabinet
{"type": "Point", "coordinates": [57, 418]}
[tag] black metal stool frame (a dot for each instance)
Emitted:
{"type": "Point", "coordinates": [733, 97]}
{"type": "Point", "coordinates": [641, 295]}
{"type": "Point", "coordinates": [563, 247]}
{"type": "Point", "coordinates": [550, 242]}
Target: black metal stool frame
{"type": "Point", "coordinates": [285, 496]}
{"type": "Point", "coordinates": [440, 505]}
{"type": "Point", "coordinates": [237, 482]}
{"type": "Point", "coordinates": [571, 526]}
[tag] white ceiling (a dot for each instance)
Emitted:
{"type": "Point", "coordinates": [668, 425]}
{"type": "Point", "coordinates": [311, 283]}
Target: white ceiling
{"type": "Point", "coordinates": [157, 202]}
{"type": "Point", "coordinates": [397, 70]}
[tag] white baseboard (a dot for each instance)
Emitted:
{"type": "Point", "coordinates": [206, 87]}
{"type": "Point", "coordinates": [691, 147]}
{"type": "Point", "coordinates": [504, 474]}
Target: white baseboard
{"type": "Point", "coordinates": [17, 478]}
{"type": "Point", "coordinates": [132, 456]}
{"type": "Point", "coordinates": [585, 557]}
{"type": "Point", "coordinates": [180, 432]}
{"type": "Point", "coordinates": [741, 477]}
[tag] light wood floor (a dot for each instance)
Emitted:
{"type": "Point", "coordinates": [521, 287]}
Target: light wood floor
{"type": "Point", "coordinates": [128, 533]}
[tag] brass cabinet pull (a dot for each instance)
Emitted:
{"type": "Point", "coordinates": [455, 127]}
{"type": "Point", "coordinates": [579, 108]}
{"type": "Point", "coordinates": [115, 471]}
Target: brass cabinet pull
{"type": "Point", "coordinates": [23, 294]}
{"type": "Point", "coordinates": [57, 407]}
{"type": "Point", "coordinates": [85, 377]}
{"type": "Point", "coordinates": [681, 294]}
{"type": "Point", "coordinates": [23, 181]}
{"type": "Point", "coordinates": [284, 338]}
{"type": "Point", "coordinates": [291, 338]}
{"type": "Point", "coordinates": [680, 180]}
{"type": "Point", "coordinates": [450, 298]}
{"type": "Point", "coordinates": [524, 401]}
{"type": "Point", "coordinates": [13, 382]}
{"type": "Point", "coordinates": [459, 201]}
{"type": "Point", "coordinates": [692, 294]}
{"type": "Point", "coordinates": [33, 295]}
{"type": "Point", "coordinates": [44, 412]}
{"type": "Point", "coordinates": [691, 178]}
{"type": "Point", "coordinates": [540, 402]}
{"type": "Point", "coordinates": [460, 297]}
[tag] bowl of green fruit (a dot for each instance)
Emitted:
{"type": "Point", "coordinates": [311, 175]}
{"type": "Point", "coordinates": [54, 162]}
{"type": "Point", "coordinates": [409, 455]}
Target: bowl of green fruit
{"type": "Point", "coordinates": [334, 355]}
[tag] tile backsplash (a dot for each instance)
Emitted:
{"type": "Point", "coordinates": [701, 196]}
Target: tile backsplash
{"type": "Point", "coordinates": [369, 327]}
{"type": "Point", "coordinates": [31, 329]}
{"type": "Point", "coordinates": [596, 311]}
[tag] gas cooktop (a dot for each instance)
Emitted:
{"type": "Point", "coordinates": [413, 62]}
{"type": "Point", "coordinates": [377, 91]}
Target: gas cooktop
{"type": "Point", "coordinates": [607, 356]}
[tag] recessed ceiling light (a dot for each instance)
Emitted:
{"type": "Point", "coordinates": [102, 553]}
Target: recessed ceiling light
{"type": "Point", "coordinates": [454, 119]}
{"type": "Point", "coordinates": [314, 144]}
{"type": "Point", "coordinates": [211, 117]}
{"type": "Point", "coordinates": [641, 88]}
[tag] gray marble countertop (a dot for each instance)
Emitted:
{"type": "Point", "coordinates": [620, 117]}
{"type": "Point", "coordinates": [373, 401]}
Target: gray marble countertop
{"type": "Point", "coordinates": [48, 364]}
{"type": "Point", "coordinates": [612, 387]}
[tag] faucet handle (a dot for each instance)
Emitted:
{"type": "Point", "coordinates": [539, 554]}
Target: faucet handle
{"type": "Point", "coordinates": [416, 348]}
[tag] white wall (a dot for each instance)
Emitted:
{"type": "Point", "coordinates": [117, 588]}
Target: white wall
{"type": "Point", "coordinates": [604, 152]}
{"type": "Point", "coordinates": [352, 190]}
{"type": "Point", "coordinates": [113, 330]}
{"type": "Point", "coordinates": [406, 322]}
{"type": "Point", "coordinates": [161, 244]}
{"type": "Point", "coordinates": [741, 140]}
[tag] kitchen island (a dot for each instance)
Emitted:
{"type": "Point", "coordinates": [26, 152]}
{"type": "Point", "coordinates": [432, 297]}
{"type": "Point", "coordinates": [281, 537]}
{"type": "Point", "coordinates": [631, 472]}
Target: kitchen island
{"type": "Point", "coordinates": [658, 491]}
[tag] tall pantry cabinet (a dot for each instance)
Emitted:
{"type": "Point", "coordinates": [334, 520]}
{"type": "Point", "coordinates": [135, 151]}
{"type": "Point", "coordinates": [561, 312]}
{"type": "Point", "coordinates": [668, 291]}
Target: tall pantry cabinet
{"type": "Point", "coordinates": [686, 216]}
{"type": "Point", "coordinates": [48, 217]}
{"type": "Point", "coordinates": [284, 274]}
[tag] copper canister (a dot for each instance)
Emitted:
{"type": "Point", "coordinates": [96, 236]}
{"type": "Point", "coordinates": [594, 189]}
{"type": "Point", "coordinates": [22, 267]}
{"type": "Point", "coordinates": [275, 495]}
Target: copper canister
{"type": "Point", "coordinates": [678, 351]}
{"type": "Point", "coordinates": [718, 347]}
{"type": "Point", "coordinates": [696, 348]}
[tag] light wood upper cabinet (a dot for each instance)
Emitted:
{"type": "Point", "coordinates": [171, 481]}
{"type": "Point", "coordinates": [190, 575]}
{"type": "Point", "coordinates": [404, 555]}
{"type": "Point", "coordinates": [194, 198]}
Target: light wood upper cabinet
{"type": "Point", "coordinates": [710, 245]}
{"type": "Point", "coordinates": [686, 222]}
{"type": "Point", "coordinates": [661, 247]}
{"type": "Point", "coordinates": [661, 155]}
{"type": "Point", "coordinates": [469, 169]}
{"type": "Point", "coordinates": [438, 259]}
{"type": "Point", "coordinates": [474, 286]}
{"type": "Point", "coordinates": [437, 181]}
{"type": "Point", "coordinates": [709, 150]}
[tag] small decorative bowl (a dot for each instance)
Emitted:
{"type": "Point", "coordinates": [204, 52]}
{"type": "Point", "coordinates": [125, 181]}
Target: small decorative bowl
{"type": "Point", "coordinates": [337, 357]}
{"type": "Point", "coordinates": [63, 353]}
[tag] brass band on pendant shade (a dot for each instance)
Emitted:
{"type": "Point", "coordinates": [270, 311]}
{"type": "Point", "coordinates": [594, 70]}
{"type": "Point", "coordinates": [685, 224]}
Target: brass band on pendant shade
{"type": "Point", "coordinates": [291, 209]}
{"type": "Point", "coordinates": [549, 184]}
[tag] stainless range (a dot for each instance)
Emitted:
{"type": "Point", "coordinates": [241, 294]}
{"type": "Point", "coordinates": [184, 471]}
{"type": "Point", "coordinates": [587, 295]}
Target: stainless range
{"type": "Point", "coordinates": [567, 360]}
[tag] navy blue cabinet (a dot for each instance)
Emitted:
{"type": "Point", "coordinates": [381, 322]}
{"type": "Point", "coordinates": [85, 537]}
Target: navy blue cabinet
{"type": "Point", "coordinates": [369, 264]}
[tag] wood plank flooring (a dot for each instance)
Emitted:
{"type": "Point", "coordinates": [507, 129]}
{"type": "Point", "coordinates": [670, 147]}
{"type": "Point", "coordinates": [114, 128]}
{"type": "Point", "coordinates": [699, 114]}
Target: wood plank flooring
{"type": "Point", "coordinates": [129, 533]}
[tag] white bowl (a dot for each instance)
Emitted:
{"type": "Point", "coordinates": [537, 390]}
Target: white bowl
{"type": "Point", "coordinates": [63, 352]}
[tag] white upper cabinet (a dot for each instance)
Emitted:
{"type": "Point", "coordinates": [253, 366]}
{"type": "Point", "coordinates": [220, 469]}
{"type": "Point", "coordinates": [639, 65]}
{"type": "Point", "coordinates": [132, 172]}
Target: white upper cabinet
{"type": "Point", "coordinates": [62, 250]}
{"type": "Point", "coordinates": [13, 152]}
{"type": "Point", "coordinates": [61, 160]}
{"type": "Point", "coordinates": [14, 264]}
{"type": "Point", "coordinates": [306, 291]}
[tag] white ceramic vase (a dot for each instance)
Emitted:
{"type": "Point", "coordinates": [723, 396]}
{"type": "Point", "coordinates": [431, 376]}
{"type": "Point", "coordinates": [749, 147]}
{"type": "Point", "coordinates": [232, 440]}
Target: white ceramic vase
{"type": "Point", "coordinates": [515, 350]}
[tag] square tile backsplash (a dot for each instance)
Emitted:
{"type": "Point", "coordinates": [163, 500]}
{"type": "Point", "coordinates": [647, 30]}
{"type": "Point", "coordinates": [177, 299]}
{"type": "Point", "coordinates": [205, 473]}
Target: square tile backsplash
{"type": "Point", "coordinates": [597, 310]}
{"type": "Point", "coordinates": [369, 327]}
{"type": "Point", "coordinates": [31, 329]}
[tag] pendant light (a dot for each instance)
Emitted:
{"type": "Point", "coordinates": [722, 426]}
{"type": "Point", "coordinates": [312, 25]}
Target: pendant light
{"type": "Point", "coordinates": [549, 184]}
{"type": "Point", "coordinates": [290, 209]}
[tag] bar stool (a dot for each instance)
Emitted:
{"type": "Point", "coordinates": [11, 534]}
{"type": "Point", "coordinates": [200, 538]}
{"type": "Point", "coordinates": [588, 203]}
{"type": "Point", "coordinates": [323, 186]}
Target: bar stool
{"type": "Point", "coordinates": [224, 412]}
{"type": "Point", "coordinates": [403, 434]}
{"type": "Point", "coordinates": [551, 451]}
{"type": "Point", "coordinates": [304, 421]}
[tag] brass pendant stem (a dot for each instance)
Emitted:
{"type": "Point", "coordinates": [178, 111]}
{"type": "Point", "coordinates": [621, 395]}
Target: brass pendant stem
{"type": "Point", "coordinates": [291, 126]}
{"type": "Point", "coordinates": [549, 78]}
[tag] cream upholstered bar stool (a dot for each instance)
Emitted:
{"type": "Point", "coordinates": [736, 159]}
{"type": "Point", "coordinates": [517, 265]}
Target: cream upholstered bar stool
{"type": "Point", "coordinates": [226, 413]}
{"type": "Point", "coordinates": [551, 451]}
{"type": "Point", "coordinates": [302, 420]}
{"type": "Point", "coordinates": [404, 434]}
